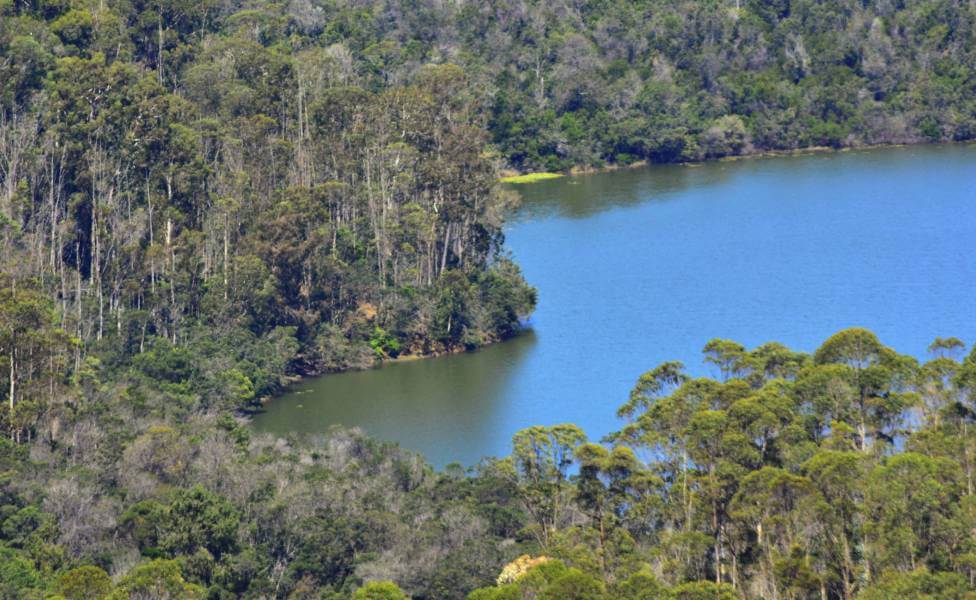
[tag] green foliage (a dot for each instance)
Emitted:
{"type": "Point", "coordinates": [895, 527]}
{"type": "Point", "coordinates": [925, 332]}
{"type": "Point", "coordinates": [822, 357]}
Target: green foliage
{"type": "Point", "coordinates": [85, 583]}
{"type": "Point", "coordinates": [573, 585]}
{"type": "Point", "coordinates": [704, 590]}
{"type": "Point", "coordinates": [383, 344]}
{"type": "Point", "coordinates": [382, 590]}
{"type": "Point", "coordinates": [641, 585]}
{"type": "Point", "coordinates": [913, 500]}
{"type": "Point", "coordinates": [34, 350]}
{"type": "Point", "coordinates": [197, 519]}
{"type": "Point", "coordinates": [160, 579]}
{"type": "Point", "coordinates": [17, 574]}
{"type": "Point", "coordinates": [550, 580]}
{"type": "Point", "coordinates": [201, 201]}
{"type": "Point", "coordinates": [541, 459]}
{"type": "Point", "coordinates": [143, 521]}
{"type": "Point", "coordinates": [918, 585]}
{"type": "Point", "coordinates": [857, 348]}
{"type": "Point", "coordinates": [327, 549]}
{"type": "Point", "coordinates": [760, 478]}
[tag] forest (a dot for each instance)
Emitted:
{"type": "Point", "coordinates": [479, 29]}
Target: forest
{"type": "Point", "coordinates": [846, 473]}
{"type": "Point", "coordinates": [201, 201]}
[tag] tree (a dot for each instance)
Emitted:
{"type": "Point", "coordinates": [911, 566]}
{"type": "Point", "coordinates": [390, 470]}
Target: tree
{"type": "Point", "coordinates": [839, 478]}
{"type": "Point", "coordinates": [721, 456]}
{"type": "Point", "coordinates": [857, 348]}
{"type": "Point", "coordinates": [664, 429]}
{"type": "Point", "coordinates": [658, 382]}
{"type": "Point", "coordinates": [541, 458]}
{"type": "Point", "coordinates": [874, 372]}
{"type": "Point", "coordinates": [918, 585]}
{"type": "Point", "coordinates": [640, 586]}
{"type": "Point", "coordinates": [33, 350]}
{"type": "Point", "coordinates": [774, 505]}
{"type": "Point", "coordinates": [949, 347]}
{"type": "Point", "coordinates": [912, 502]}
{"type": "Point", "coordinates": [156, 580]}
{"type": "Point", "coordinates": [17, 574]}
{"type": "Point", "coordinates": [199, 519]}
{"type": "Point", "coordinates": [549, 580]}
{"type": "Point", "coordinates": [85, 583]}
{"type": "Point", "coordinates": [611, 484]}
{"type": "Point", "coordinates": [383, 590]}
{"type": "Point", "coordinates": [704, 590]}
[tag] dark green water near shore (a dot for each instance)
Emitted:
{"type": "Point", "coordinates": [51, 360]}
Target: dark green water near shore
{"type": "Point", "coordinates": [635, 267]}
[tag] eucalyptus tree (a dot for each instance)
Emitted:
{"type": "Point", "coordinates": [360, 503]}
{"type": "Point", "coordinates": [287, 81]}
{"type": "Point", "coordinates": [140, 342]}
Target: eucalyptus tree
{"type": "Point", "coordinates": [540, 463]}
{"type": "Point", "coordinates": [879, 378]}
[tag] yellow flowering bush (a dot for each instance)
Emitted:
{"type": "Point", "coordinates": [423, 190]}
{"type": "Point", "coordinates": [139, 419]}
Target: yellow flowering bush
{"type": "Point", "coordinates": [519, 567]}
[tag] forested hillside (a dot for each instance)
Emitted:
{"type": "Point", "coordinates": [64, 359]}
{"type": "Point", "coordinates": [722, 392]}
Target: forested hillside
{"type": "Point", "coordinates": [848, 473]}
{"type": "Point", "coordinates": [614, 81]}
{"type": "Point", "coordinates": [202, 199]}
{"type": "Point", "coordinates": [215, 205]}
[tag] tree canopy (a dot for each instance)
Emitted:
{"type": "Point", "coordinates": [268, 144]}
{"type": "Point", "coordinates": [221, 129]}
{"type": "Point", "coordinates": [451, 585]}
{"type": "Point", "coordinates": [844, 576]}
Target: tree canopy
{"type": "Point", "coordinates": [200, 201]}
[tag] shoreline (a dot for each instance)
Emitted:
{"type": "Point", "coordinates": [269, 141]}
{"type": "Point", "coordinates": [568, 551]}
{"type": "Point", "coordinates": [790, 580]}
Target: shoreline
{"type": "Point", "coordinates": [295, 378]}
{"type": "Point", "coordinates": [578, 170]}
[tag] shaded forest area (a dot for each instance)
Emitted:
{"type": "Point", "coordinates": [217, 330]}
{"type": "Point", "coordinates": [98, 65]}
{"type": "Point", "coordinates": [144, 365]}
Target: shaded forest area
{"type": "Point", "coordinates": [200, 200]}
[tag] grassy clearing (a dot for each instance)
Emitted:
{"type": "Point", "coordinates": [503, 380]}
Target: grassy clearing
{"type": "Point", "coordinates": [530, 177]}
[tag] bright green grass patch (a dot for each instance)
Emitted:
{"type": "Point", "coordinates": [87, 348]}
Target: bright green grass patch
{"type": "Point", "coordinates": [530, 177]}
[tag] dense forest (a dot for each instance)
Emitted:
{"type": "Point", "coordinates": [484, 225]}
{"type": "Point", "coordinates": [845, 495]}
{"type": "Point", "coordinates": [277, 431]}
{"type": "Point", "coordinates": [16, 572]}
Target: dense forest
{"type": "Point", "coordinates": [848, 473]}
{"type": "Point", "coordinates": [201, 200]}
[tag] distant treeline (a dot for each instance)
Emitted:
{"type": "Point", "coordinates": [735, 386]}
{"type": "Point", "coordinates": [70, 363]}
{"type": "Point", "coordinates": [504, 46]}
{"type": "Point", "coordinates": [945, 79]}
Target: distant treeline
{"type": "Point", "coordinates": [614, 81]}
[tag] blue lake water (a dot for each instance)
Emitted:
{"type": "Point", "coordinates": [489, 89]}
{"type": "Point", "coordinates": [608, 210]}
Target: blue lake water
{"type": "Point", "coordinates": [639, 266]}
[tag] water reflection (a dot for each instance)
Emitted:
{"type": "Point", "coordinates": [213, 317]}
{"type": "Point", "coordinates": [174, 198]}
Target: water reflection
{"type": "Point", "coordinates": [450, 407]}
{"type": "Point", "coordinates": [582, 196]}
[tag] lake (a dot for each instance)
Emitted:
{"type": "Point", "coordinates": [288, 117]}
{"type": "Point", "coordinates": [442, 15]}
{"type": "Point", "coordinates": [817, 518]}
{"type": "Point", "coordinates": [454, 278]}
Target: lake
{"type": "Point", "coordinates": [639, 266]}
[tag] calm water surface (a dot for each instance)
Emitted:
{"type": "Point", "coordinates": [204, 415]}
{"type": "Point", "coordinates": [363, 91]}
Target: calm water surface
{"type": "Point", "coordinates": [636, 267]}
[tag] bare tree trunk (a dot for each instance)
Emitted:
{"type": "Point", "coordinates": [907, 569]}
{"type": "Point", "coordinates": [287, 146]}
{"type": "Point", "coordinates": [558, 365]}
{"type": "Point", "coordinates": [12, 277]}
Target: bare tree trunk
{"type": "Point", "coordinates": [159, 52]}
{"type": "Point", "coordinates": [447, 243]}
{"type": "Point", "coordinates": [226, 252]}
{"type": "Point", "coordinates": [13, 378]}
